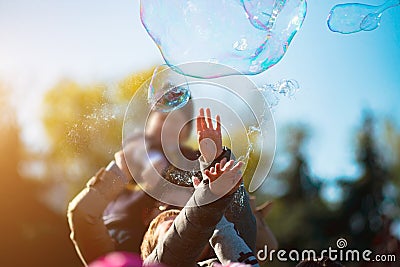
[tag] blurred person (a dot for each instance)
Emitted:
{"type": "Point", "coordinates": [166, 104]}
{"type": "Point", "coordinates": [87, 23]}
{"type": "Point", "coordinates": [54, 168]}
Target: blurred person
{"type": "Point", "coordinates": [265, 237]}
{"type": "Point", "coordinates": [324, 262]}
{"type": "Point", "coordinates": [111, 182]}
{"type": "Point", "coordinates": [128, 216]}
{"type": "Point", "coordinates": [177, 238]}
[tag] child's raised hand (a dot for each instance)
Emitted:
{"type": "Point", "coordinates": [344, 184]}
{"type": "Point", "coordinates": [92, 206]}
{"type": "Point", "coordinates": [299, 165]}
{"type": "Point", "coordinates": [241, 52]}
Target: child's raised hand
{"type": "Point", "coordinates": [225, 177]}
{"type": "Point", "coordinates": [208, 137]}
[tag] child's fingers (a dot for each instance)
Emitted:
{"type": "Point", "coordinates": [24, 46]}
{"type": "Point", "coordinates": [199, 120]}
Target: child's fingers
{"type": "Point", "coordinates": [223, 161]}
{"type": "Point", "coordinates": [237, 166]}
{"type": "Point", "coordinates": [212, 169]}
{"type": "Point", "coordinates": [228, 165]}
{"type": "Point", "coordinates": [235, 170]}
{"type": "Point", "coordinates": [217, 167]}
{"type": "Point", "coordinates": [196, 181]}
{"type": "Point", "coordinates": [202, 119]}
{"type": "Point", "coordinates": [219, 172]}
{"type": "Point", "coordinates": [218, 127]}
{"type": "Point", "coordinates": [198, 124]}
{"type": "Point", "coordinates": [209, 119]}
{"type": "Point", "coordinates": [211, 176]}
{"type": "Point", "coordinates": [221, 165]}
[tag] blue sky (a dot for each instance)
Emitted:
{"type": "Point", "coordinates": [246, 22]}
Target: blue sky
{"type": "Point", "coordinates": [339, 75]}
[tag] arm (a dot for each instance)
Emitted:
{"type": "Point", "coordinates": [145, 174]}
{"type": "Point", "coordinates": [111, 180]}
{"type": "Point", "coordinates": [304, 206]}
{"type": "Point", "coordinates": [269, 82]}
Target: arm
{"type": "Point", "coordinates": [88, 232]}
{"type": "Point", "coordinates": [229, 247]}
{"type": "Point", "coordinates": [239, 212]}
{"type": "Point", "coordinates": [196, 222]}
{"type": "Point", "coordinates": [190, 232]}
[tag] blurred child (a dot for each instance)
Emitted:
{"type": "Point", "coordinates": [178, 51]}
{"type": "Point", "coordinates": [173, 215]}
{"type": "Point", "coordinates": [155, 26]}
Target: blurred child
{"type": "Point", "coordinates": [108, 184]}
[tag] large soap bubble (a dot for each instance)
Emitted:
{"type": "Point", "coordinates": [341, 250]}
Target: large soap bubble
{"type": "Point", "coordinates": [247, 126]}
{"type": "Point", "coordinates": [249, 36]}
{"type": "Point", "coordinates": [354, 17]}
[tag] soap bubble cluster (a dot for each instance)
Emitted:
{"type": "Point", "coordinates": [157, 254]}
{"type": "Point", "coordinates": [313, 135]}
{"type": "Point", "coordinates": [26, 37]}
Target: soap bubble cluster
{"type": "Point", "coordinates": [355, 17]}
{"type": "Point", "coordinates": [274, 92]}
{"type": "Point", "coordinates": [249, 36]}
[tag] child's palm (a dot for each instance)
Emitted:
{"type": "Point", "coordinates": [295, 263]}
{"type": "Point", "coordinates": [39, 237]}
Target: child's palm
{"type": "Point", "coordinates": [225, 177]}
{"type": "Point", "coordinates": [209, 138]}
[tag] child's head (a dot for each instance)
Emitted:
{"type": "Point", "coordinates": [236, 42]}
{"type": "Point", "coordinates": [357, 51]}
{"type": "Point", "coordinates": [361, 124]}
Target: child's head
{"type": "Point", "coordinates": [158, 227]}
{"type": "Point", "coordinates": [165, 128]}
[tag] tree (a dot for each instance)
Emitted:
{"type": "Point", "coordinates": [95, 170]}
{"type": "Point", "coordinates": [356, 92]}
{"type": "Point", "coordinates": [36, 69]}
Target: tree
{"type": "Point", "coordinates": [84, 128]}
{"type": "Point", "coordinates": [30, 230]}
{"type": "Point", "coordinates": [301, 219]}
{"type": "Point", "coordinates": [299, 215]}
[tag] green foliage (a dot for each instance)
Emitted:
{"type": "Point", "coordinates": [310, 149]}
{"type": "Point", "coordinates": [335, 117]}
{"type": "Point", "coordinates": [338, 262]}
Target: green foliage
{"type": "Point", "coordinates": [84, 127]}
{"type": "Point", "coordinates": [30, 230]}
{"type": "Point", "coordinates": [392, 138]}
{"type": "Point", "coordinates": [302, 219]}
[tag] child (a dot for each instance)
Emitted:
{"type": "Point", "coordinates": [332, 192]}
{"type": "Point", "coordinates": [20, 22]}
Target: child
{"type": "Point", "coordinates": [88, 230]}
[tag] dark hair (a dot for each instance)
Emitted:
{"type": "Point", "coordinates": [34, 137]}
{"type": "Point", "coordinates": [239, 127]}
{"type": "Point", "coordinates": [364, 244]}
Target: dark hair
{"type": "Point", "coordinates": [324, 262]}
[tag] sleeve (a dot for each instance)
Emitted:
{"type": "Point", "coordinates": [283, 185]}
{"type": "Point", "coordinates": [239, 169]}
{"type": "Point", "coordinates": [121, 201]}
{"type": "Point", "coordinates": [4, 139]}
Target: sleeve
{"type": "Point", "coordinates": [229, 246]}
{"type": "Point", "coordinates": [226, 153]}
{"type": "Point", "coordinates": [239, 212]}
{"type": "Point", "coordinates": [192, 229]}
{"type": "Point", "coordinates": [88, 232]}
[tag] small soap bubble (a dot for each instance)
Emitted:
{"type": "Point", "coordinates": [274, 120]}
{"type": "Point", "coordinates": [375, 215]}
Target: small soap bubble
{"type": "Point", "coordinates": [274, 92]}
{"type": "Point", "coordinates": [168, 90]}
{"type": "Point", "coordinates": [354, 17]}
{"type": "Point", "coordinates": [240, 45]}
{"type": "Point", "coordinates": [287, 87]}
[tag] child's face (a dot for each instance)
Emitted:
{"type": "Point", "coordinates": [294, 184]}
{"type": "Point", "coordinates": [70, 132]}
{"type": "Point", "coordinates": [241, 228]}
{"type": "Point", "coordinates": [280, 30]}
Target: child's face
{"type": "Point", "coordinates": [168, 129]}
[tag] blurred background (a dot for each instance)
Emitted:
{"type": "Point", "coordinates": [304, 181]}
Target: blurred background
{"type": "Point", "coordinates": [69, 68]}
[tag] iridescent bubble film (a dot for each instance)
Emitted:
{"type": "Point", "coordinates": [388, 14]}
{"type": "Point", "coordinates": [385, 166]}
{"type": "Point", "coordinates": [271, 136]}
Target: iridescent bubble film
{"type": "Point", "coordinates": [168, 89]}
{"type": "Point", "coordinates": [354, 17]}
{"type": "Point", "coordinates": [274, 91]}
{"type": "Point", "coordinates": [249, 36]}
